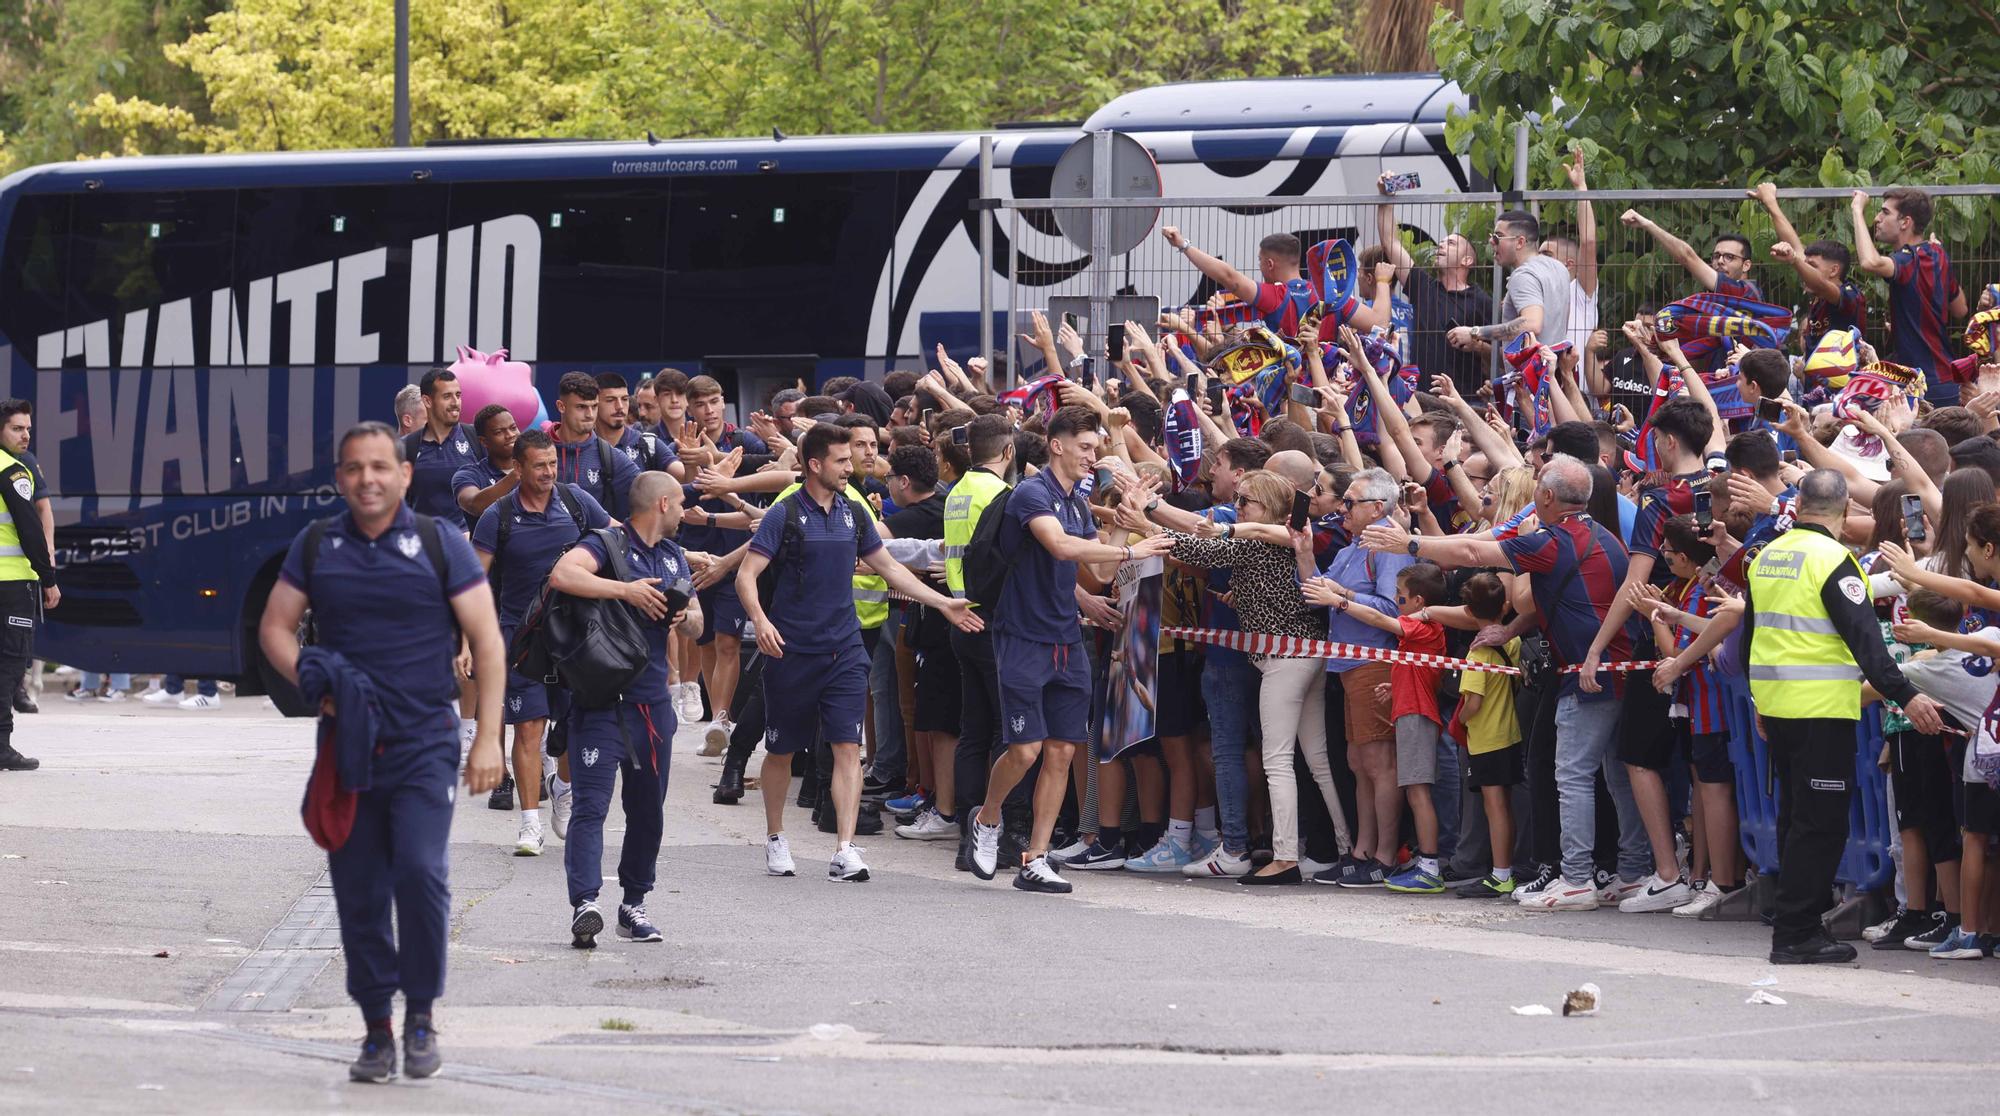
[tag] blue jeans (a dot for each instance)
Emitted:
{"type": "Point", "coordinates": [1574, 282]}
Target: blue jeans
{"type": "Point", "coordinates": [1585, 737]}
{"type": "Point", "coordinates": [92, 680]}
{"type": "Point", "coordinates": [1230, 688]}
{"type": "Point", "coordinates": [174, 683]}
{"type": "Point", "coordinates": [1445, 791]}
{"type": "Point", "coordinates": [891, 757]}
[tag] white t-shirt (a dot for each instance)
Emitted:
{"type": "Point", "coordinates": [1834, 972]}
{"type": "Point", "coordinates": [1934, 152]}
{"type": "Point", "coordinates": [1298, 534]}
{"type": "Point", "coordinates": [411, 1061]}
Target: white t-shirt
{"type": "Point", "coordinates": [1582, 314]}
{"type": "Point", "coordinates": [1966, 685]}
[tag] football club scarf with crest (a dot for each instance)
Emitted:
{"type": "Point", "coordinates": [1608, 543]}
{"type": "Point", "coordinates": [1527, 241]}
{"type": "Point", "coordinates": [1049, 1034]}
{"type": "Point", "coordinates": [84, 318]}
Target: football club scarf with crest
{"type": "Point", "coordinates": [1036, 397]}
{"type": "Point", "coordinates": [1328, 286]}
{"type": "Point", "coordinates": [1703, 322]}
{"type": "Point", "coordinates": [1872, 386]}
{"type": "Point", "coordinates": [1183, 438]}
{"type": "Point", "coordinates": [1534, 366]}
{"type": "Point", "coordinates": [1982, 337]}
{"type": "Point", "coordinates": [1257, 367]}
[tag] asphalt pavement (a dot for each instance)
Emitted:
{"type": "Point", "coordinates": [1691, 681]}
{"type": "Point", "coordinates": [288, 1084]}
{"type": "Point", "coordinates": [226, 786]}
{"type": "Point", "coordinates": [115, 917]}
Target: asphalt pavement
{"type": "Point", "coordinates": [165, 947]}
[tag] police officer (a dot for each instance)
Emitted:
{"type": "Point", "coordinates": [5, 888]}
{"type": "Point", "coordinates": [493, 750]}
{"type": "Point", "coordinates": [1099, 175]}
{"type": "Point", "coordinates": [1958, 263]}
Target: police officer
{"type": "Point", "coordinates": [1812, 637]}
{"type": "Point", "coordinates": [631, 741]}
{"type": "Point", "coordinates": [391, 598]}
{"type": "Point", "coordinates": [27, 586]}
{"type": "Point", "coordinates": [987, 448]}
{"type": "Point", "coordinates": [816, 680]}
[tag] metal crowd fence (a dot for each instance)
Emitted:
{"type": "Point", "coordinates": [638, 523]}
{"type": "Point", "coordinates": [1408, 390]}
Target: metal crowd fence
{"type": "Point", "coordinates": [1635, 273]}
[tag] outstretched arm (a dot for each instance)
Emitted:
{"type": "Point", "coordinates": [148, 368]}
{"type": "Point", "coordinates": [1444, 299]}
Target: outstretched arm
{"type": "Point", "coordinates": [1218, 271]}
{"type": "Point", "coordinates": [1683, 253]}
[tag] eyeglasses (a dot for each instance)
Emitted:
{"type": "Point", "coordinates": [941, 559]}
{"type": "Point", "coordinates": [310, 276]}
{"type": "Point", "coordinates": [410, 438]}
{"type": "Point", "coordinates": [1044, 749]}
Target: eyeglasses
{"type": "Point", "coordinates": [1497, 237]}
{"type": "Point", "coordinates": [1725, 257]}
{"type": "Point", "coordinates": [1349, 504]}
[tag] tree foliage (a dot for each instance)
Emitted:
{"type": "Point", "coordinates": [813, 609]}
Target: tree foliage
{"type": "Point", "coordinates": [297, 74]}
{"type": "Point", "coordinates": [1670, 93]}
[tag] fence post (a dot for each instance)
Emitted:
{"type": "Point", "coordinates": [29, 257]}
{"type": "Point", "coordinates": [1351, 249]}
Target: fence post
{"type": "Point", "coordinates": [985, 248]}
{"type": "Point", "coordinates": [1013, 296]}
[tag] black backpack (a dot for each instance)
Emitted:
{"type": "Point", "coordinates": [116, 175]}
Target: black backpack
{"type": "Point", "coordinates": [985, 561]}
{"type": "Point", "coordinates": [592, 648]}
{"type": "Point", "coordinates": [427, 533]}
{"type": "Point", "coordinates": [790, 558]}
{"type": "Point", "coordinates": [506, 527]}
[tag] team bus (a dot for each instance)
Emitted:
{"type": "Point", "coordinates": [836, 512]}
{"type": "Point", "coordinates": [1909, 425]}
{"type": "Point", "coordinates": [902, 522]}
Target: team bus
{"type": "Point", "coordinates": [193, 331]}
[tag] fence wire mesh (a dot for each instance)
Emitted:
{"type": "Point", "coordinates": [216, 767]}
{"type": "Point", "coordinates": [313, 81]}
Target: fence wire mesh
{"type": "Point", "coordinates": [1636, 273]}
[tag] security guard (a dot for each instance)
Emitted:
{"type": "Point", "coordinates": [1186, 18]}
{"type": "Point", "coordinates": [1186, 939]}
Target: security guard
{"type": "Point", "coordinates": [632, 741]}
{"type": "Point", "coordinates": [27, 586]}
{"type": "Point", "coordinates": [987, 446]}
{"type": "Point", "coordinates": [390, 595]}
{"type": "Point", "coordinates": [1812, 637]}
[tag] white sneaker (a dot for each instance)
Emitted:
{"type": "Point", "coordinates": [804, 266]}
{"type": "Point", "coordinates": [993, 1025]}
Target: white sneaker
{"type": "Point", "coordinates": [985, 849]}
{"type": "Point", "coordinates": [716, 740]}
{"type": "Point", "coordinates": [847, 865]}
{"type": "Point", "coordinates": [201, 701]}
{"type": "Point", "coordinates": [1704, 896]}
{"type": "Point", "coordinates": [687, 702]}
{"type": "Point", "coordinates": [112, 696]}
{"type": "Point", "coordinates": [80, 694]}
{"type": "Point", "coordinates": [529, 843]}
{"type": "Point", "coordinates": [1656, 894]}
{"type": "Point", "coordinates": [1069, 852]}
{"type": "Point", "coordinates": [929, 826]}
{"type": "Point", "coordinates": [1308, 867]}
{"type": "Point", "coordinates": [1217, 865]}
{"type": "Point", "coordinates": [157, 696]}
{"type": "Point", "coordinates": [1878, 931]}
{"type": "Point", "coordinates": [1563, 896]}
{"type": "Point", "coordinates": [562, 800]}
{"type": "Point", "coordinates": [1039, 875]}
{"type": "Point", "coordinates": [1616, 889]}
{"type": "Point", "coordinates": [778, 856]}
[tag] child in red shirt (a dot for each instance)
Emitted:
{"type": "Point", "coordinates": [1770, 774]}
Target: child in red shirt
{"type": "Point", "coordinates": [1414, 711]}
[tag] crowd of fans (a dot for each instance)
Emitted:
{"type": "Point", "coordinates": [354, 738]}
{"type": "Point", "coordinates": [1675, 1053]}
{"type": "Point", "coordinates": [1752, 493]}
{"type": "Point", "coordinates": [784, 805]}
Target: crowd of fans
{"type": "Point", "coordinates": [1286, 448]}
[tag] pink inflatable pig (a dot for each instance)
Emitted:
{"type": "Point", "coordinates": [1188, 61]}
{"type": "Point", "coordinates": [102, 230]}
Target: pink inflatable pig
{"type": "Point", "coordinates": [487, 378]}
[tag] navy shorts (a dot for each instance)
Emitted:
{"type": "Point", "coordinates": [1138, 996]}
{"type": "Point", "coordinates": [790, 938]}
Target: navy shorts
{"type": "Point", "coordinates": [527, 698]}
{"type": "Point", "coordinates": [721, 614]}
{"type": "Point", "coordinates": [810, 695]}
{"type": "Point", "coordinates": [1044, 690]}
{"type": "Point", "coordinates": [1708, 752]}
{"type": "Point", "coordinates": [1179, 705]}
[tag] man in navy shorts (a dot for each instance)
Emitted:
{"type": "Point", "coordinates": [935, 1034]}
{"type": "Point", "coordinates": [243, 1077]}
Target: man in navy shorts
{"type": "Point", "coordinates": [1038, 644]}
{"type": "Point", "coordinates": [816, 673]}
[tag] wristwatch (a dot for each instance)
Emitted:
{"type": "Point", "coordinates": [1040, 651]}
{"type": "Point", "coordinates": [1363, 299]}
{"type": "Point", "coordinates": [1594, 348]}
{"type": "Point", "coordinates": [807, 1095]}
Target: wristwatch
{"type": "Point", "coordinates": [1229, 530]}
{"type": "Point", "coordinates": [1450, 465]}
{"type": "Point", "coordinates": [1152, 505]}
{"type": "Point", "coordinates": [1183, 247]}
{"type": "Point", "coordinates": [1413, 545]}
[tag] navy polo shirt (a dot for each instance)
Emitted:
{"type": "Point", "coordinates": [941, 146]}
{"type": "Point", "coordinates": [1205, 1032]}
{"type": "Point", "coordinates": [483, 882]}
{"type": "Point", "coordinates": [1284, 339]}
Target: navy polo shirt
{"type": "Point", "coordinates": [380, 603]}
{"type": "Point", "coordinates": [35, 471]}
{"type": "Point", "coordinates": [609, 483]}
{"type": "Point", "coordinates": [534, 541]}
{"type": "Point", "coordinates": [480, 475]}
{"type": "Point", "coordinates": [1039, 599]}
{"type": "Point", "coordinates": [665, 561]}
{"type": "Point", "coordinates": [814, 610]}
{"type": "Point", "coordinates": [708, 538]}
{"type": "Point", "coordinates": [647, 450]}
{"type": "Point", "coordinates": [433, 466]}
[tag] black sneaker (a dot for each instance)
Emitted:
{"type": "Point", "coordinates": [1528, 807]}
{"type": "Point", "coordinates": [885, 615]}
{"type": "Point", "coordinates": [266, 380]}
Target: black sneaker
{"type": "Point", "coordinates": [377, 1062]}
{"type": "Point", "coordinates": [502, 796]}
{"type": "Point", "coordinates": [25, 704]}
{"type": "Point", "coordinates": [633, 925]}
{"type": "Point", "coordinates": [1821, 950]}
{"type": "Point", "coordinates": [1942, 925]}
{"type": "Point", "coordinates": [877, 790]}
{"type": "Point", "coordinates": [585, 925]}
{"type": "Point", "coordinates": [1486, 887]}
{"type": "Point", "coordinates": [1364, 873]}
{"type": "Point", "coordinates": [420, 1048]}
{"type": "Point", "coordinates": [1908, 925]}
{"type": "Point", "coordinates": [11, 760]}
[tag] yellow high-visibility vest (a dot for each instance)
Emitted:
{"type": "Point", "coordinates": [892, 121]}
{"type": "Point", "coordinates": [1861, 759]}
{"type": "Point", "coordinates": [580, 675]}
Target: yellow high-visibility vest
{"type": "Point", "coordinates": [962, 510]}
{"type": "Point", "coordinates": [1799, 665]}
{"type": "Point", "coordinates": [871, 591]}
{"type": "Point", "coordinates": [14, 565]}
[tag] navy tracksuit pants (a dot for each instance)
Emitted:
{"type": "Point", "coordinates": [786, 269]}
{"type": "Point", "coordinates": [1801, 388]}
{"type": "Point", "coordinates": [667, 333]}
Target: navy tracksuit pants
{"type": "Point", "coordinates": [396, 854]}
{"type": "Point", "coordinates": [635, 741]}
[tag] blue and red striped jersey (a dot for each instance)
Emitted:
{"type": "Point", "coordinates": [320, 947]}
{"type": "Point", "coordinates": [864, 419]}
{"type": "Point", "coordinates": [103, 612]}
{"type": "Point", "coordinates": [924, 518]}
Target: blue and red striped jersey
{"type": "Point", "coordinates": [1697, 689]}
{"type": "Point", "coordinates": [1575, 568]}
{"type": "Point", "coordinates": [1921, 291]}
{"type": "Point", "coordinates": [1823, 317]}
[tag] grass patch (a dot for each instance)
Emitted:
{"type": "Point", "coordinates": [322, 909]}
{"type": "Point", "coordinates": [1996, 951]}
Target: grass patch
{"type": "Point", "coordinates": [618, 1025]}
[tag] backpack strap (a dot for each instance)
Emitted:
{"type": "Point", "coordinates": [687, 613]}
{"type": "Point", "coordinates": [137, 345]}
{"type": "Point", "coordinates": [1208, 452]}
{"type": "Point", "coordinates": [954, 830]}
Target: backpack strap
{"type": "Point", "coordinates": [574, 508]}
{"type": "Point", "coordinates": [315, 538]}
{"type": "Point", "coordinates": [412, 441]}
{"type": "Point", "coordinates": [509, 505]}
{"type": "Point", "coordinates": [613, 541]}
{"type": "Point", "coordinates": [433, 541]}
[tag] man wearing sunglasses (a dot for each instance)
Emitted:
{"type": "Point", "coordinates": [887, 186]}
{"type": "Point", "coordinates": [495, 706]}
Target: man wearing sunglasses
{"type": "Point", "coordinates": [1538, 286]}
{"type": "Point", "coordinates": [1727, 269]}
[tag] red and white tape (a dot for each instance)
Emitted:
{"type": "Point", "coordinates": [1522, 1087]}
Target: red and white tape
{"type": "Point", "coordinates": [1295, 647]}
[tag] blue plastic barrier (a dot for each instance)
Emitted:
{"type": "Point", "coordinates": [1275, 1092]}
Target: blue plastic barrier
{"type": "Point", "coordinates": [1866, 862]}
